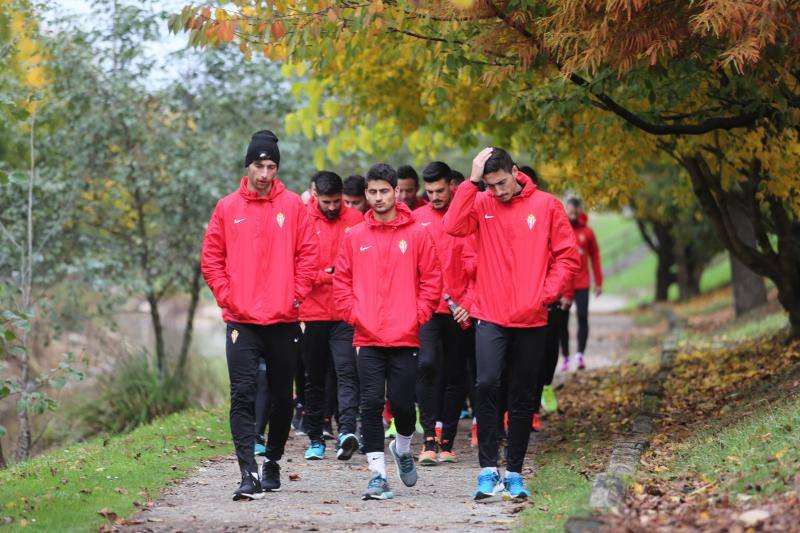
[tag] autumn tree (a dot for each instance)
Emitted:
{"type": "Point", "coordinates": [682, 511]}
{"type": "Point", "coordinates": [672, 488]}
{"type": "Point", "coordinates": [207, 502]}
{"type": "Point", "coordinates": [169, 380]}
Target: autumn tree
{"type": "Point", "coordinates": [603, 87]}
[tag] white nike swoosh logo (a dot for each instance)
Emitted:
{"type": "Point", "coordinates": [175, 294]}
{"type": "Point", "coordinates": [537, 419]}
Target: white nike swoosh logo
{"type": "Point", "coordinates": [488, 216]}
{"type": "Point", "coordinates": [425, 223]}
{"type": "Point", "coordinates": [366, 247]}
{"type": "Point", "coordinates": [237, 220]}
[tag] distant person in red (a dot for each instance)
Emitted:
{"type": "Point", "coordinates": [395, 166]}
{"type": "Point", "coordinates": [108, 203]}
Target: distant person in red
{"type": "Point", "coordinates": [387, 283]}
{"type": "Point", "coordinates": [519, 230]}
{"type": "Point", "coordinates": [587, 246]}
{"type": "Point", "coordinates": [259, 258]}
{"type": "Point", "coordinates": [447, 340]}
{"type": "Point", "coordinates": [408, 186]}
{"type": "Point", "coordinates": [353, 193]}
{"type": "Point", "coordinates": [327, 336]}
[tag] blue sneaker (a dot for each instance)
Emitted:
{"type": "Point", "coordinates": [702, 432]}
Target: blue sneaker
{"type": "Point", "coordinates": [377, 489]}
{"type": "Point", "coordinates": [406, 469]}
{"type": "Point", "coordinates": [315, 451]}
{"type": "Point", "coordinates": [515, 487]}
{"type": "Point", "coordinates": [489, 485]}
{"type": "Point", "coordinates": [260, 449]}
{"type": "Point", "coordinates": [346, 446]}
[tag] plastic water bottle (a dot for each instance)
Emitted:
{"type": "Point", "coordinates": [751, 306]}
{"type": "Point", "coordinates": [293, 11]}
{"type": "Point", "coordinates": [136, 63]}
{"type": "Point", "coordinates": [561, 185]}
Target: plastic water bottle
{"type": "Point", "coordinates": [452, 305]}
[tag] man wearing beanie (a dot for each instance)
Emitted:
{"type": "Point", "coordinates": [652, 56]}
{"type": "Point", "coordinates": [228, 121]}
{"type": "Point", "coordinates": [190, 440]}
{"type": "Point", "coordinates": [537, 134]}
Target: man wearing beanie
{"type": "Point", "coordinates": [259, 259]}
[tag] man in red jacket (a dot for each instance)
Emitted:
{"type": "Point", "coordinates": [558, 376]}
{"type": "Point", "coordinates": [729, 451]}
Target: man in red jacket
{"type": "Point", "coordinates": [519, 228]}
{"type": "Point", "coordinates": [387, 283]}
{"type": "Point", "coordinates": [259, 259]}
{"type": "Point", "coordinates": [590, 252]}
{"type": "Point", "coordinates": [408, 186]}
{"type": "Point", "coordinates": [327, 336]}
{"type": "Point", "coordinates": [447, 340]}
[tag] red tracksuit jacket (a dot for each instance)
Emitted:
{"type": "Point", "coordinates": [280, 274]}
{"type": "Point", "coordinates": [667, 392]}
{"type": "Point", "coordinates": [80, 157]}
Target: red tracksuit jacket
{"type": "Point", "coordinates": [587, 247]}
{"type": "Point", "coordinates": [456, 256]}
{"type": "Point", "coordinates": [259, 255]}
{"type": "Point", "coordinates": [387, 280]}
{"type": "Point", "coordinates": [329, 235]}
{"type": "Point", "coordinates": [515, 241]}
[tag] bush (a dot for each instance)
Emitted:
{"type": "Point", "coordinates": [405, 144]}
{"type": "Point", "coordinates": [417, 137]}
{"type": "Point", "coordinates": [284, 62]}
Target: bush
{"type": "Point", "coordinates": [132, 395]}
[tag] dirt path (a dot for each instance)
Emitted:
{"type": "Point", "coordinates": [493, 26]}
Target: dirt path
{"type": "Point", "coordinates": [326, 494]}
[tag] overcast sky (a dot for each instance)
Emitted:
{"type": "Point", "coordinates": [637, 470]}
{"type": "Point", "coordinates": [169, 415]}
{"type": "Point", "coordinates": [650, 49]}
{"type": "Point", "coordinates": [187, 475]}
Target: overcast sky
{"type": "Point", "coordinates": [167, 70]}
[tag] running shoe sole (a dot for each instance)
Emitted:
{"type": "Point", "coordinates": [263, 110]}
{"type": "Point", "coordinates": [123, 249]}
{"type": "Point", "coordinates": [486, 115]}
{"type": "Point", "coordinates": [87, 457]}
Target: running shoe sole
{"type": "Point", "coordinates": [427, 462]}
{"type": "Point", "coordinates": [448, 460]}
{"type": "Point", "coordinates": [247, 497]}
{"type": "Point", "coordinates": [348, 448]}
{"type": "Point", "coordinates": [482, 497]}
{"type": "Point", "coordinates": [507, 497]}
{"type": "Point", "coordinates": [381, 496]}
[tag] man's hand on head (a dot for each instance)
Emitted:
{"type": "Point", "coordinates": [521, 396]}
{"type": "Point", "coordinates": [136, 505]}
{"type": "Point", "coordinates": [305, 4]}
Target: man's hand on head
{"type": "Point", "coordinates": [478, 164]}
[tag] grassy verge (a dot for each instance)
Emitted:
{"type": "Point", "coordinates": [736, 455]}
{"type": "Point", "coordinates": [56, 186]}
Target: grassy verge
{"type": "Point", "coordinates": [559, 492]}
{"type": "Point", "coordinates": [758, 457]}
{"type": "Point", "coordinates": [71, 489]}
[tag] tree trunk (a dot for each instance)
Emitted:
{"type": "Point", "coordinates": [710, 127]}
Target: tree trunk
{"type": "Point", "coordinates": [3, 463]}
{"type": "Point", "coordinates": [158, 331]}
{"type": "Point", "coordinates": [662, 244]}
{"type": "Point", "coordinates": [188, 330]}
{"type": "Point", "coordinates": [23, 450]}
{"type": "Point", "coordinates": [688, 274]}
{"type": "Point", "coordinates": [749, 291]}
{"type": "Point", "coordinates": [664, 278]}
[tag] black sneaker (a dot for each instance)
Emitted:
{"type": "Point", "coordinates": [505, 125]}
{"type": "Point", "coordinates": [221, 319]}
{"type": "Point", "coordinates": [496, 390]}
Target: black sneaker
{"type": "Point", "coordinates": [271, 476]}
{"type": "Point", "coordinates": [347, 445]}
{"type": "Point", "coordinates": [250, 488]}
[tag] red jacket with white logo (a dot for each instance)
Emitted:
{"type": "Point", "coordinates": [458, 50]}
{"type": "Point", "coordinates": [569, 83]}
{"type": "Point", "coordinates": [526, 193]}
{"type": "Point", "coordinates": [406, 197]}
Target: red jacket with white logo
{"type": "Point", "coordinates": [420, 203]}
{"type": "Point", "coordinates": [259, 255]}
{"type": "Point", "coordinates": [587, 247]}
{"type": "Point", "coordinates": [515, 242]}
{"type": "Point", "coordinates": [456, 255]}
{"type": "Point", "coordinates": [387, 280]}
{"type": "Point", "coordinates": [329, 235]}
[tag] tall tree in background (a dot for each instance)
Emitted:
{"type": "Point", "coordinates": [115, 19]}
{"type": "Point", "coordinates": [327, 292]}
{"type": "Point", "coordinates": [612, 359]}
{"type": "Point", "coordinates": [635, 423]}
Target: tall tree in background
{"type": "Point", "coordinates": [602, 87]}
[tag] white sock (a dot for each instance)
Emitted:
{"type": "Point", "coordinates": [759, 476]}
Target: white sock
{"type": "Point", "coordinates": [492, 469]}
{"type": "Point", "coordinates": [439, 425]}
{"type": "Point", "coordinates": [579, 355]}
{"type": "Point", "coordinates": [474, 420]}
{"type": "Point", "coordinates": [403, 444]}
{"type": "Point", "coordinates": [377, 465]}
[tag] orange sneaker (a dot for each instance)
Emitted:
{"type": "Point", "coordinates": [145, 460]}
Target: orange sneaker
{"type": "Point", "coordinates": [428, 455]}
{"type": "Point", "coordinates": [474, 436]}
{"type": "Point", "coordinates": [447, 457]}
{"type": "Point", "coordinates": [536, 425]}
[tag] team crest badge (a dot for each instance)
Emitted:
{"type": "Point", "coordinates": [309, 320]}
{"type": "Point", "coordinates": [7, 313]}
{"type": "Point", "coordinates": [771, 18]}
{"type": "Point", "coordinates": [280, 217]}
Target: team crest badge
{"type": "Point", "coordinates": [531, 221]}
{"type": "Point", "coordinates": [234, 335]}
{"type": "Point", "coordinates": [403, 247]}
{"type": "Point", "coordinates": [281, 219]}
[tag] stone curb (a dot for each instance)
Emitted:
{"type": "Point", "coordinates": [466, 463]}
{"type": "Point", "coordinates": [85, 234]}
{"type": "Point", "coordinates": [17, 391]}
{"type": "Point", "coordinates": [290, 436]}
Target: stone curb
{"type": "Point", "coordinates": [608, 489]}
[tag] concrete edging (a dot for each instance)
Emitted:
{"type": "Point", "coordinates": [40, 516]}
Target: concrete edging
{"type": "Point", "coordinates": [608, 489]}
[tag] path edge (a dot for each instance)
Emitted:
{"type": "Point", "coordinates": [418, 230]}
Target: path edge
{"type": "Point", "coordinates": [609, 487]}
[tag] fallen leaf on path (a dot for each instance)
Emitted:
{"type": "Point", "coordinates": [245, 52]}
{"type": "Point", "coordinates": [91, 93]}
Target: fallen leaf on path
{"type": "Point", "coordinates": [294, 477]}
{"type": "Point", "coordinates": [753, 517]}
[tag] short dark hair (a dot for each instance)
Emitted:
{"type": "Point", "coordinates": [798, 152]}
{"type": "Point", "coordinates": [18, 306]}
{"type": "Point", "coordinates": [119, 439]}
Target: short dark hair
{"type": "Point", "coordinates": [327, 182]}
{"type": "Point", "coordinates": [528, 171]}
{"type": "Point", "coordinates": [407, 172]}
{"type": "Point", "coordinates": [499, 160]}
{"type": "Point", "coordinates": [574, 201]}
{"type": "Point", "coordinates": [354, 185]}
{"type": "Point", "coordinates": [437, 171]}
{"type": "Point", "coordinates": [383, 172]}
{"type": "Point", "coordinates": [457, 176]}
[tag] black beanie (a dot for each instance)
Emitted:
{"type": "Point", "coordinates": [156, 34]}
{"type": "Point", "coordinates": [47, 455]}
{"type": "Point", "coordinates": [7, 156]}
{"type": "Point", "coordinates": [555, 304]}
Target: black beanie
{"type": "Point", "coordinates": [263, 145]}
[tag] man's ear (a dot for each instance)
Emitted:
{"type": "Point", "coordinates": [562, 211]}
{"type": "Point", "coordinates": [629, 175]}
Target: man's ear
{"type": "Point", "coordinates": [514, 170]}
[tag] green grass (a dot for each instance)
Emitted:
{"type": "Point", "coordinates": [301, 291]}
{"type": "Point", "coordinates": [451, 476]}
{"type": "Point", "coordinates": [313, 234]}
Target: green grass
{"type": "Point", "coordinates": [751, 326]}
{"type": "Point", "coordinates": [616, 235]}
{"type": "Point", "coordinates": [558, 493]}
{"type": "Point", "coordinates": [759, 456]}
{"type": "Point", "coordinates": [64, 490]}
